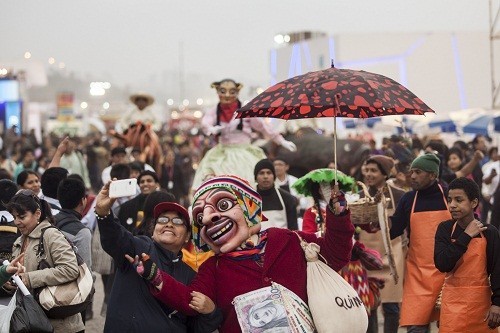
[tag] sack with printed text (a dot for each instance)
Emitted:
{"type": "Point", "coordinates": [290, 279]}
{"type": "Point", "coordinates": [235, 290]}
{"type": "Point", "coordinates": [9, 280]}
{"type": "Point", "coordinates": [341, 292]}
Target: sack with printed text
{"type": "Point", "coordinates": [335, 306]}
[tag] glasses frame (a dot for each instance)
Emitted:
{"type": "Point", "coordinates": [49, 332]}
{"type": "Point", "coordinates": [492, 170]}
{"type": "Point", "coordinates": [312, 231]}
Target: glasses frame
{"type": "Point", "coordinates": [170, 219]}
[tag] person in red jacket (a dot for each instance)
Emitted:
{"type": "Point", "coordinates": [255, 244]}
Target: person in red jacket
{"type": "Point", "coordinates": [227, 217]}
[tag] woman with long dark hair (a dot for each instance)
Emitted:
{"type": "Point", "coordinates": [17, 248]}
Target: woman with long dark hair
{"type": "Point", "coordinates": [32, 215]}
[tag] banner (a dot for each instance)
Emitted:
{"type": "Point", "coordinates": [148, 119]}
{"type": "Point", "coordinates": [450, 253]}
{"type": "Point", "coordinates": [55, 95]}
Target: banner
{"type": "Point", "coordinates": [65, 108]}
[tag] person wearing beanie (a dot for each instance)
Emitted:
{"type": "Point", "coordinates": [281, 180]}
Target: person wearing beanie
{"type": "Point", "coordinates": [427, 162]}
{"type": "Point", "coordinates": [278, 205]}
{"type": "Point", "coordinates": [419, 213]}
{"type": "Point", "coordinates": [377, 170]}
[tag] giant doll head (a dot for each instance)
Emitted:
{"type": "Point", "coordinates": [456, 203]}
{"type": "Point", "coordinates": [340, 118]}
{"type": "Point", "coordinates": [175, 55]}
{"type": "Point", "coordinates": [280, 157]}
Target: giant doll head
{"type": "Point", "coordinates": [227, 90]}
{"type": "Point", "coordinates": [226, 212]}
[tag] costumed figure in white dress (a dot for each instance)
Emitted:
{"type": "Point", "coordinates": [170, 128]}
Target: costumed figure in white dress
{"type": "Point", "coordinates": [234, 153]}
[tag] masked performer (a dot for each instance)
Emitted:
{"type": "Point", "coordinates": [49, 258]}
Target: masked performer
{"type": "Point", "coordinates": [227, 217]}
{"type": "Point", "coordinates": [234, 154]}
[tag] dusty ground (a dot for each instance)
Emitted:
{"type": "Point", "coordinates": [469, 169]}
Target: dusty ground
{"type": "Point", "coordinates": [96, 325]}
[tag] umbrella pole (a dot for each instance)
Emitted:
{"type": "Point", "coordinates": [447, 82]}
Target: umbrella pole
{"type": "Point", "coordinates": [337, 110]}
{"type": "Point", "coordinates": [335, 144]}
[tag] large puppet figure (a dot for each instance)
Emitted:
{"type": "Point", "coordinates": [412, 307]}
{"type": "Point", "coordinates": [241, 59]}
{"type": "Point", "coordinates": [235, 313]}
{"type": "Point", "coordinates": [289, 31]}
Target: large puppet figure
{"type": "Point", "coordinates": [234, 154]}
{"type": "Point", "coordinates": [227, 217]}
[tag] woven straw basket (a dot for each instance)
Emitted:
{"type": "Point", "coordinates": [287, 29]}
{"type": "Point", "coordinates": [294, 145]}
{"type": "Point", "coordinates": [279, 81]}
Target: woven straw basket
{"type": "Point", "coordinates": [364, 210]}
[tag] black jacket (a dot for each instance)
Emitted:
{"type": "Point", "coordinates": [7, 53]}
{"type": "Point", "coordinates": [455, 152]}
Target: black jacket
{"type": "Point", "coordinates": [132, 307]}
{"type": "Point", "coordinates": [128, 212]}
{"type": "Point", "coordinates": [448, 253]}
{"type": "Point", "coordinates": [428, 200]}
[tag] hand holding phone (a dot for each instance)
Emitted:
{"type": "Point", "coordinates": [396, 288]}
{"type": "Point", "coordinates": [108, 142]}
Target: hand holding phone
{"type": "Point", "coordinates": [123, 188]}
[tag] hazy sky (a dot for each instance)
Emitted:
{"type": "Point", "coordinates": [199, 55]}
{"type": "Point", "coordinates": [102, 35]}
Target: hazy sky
{"type": "Point", "coordinates": [136, 42]}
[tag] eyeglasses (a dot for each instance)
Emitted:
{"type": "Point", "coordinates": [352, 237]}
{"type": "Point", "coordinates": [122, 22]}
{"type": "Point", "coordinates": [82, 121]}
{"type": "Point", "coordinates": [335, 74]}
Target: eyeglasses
{"type": "Point", "coordinates": [174, 220]}
{"type": "Point", "coordinates": [31, 194]}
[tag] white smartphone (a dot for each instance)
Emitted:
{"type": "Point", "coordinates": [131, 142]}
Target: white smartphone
{"type": "Point", "coordinates": [123, 188]}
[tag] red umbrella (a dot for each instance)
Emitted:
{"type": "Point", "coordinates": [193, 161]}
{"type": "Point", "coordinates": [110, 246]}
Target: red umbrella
{"type": "Point", "coordinates": [335, 93]}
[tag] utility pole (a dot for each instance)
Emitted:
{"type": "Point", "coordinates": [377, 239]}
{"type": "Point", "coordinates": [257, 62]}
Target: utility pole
{"type": "Point", "coordinates": [494, 41]}
{"type": "Point", "coordinates": [182, 83]}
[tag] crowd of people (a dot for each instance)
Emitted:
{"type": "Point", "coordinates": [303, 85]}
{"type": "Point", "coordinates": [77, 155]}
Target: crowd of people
{"type": "Point", "coordinates": [216, 220]}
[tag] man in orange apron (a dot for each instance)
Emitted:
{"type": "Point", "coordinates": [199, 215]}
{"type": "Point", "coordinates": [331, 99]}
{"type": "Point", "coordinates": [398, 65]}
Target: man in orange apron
{"type": "Point", "coordinates": [468, 252]}
{"type": "Point", "coordinates": [419, 213]}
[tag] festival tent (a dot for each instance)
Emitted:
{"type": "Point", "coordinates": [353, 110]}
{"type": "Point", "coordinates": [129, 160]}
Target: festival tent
{"type": "Point", "coordinates": [484, 124]}
{"type": "Point", "coordinates": [445, 125]}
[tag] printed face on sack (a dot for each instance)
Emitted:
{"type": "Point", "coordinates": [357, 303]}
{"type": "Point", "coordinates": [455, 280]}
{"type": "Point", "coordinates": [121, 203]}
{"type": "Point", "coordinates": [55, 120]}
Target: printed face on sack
{"type": "Point", "coordinates": [221, 221]}
{"type": "Point", "coordinates": [267, 314]}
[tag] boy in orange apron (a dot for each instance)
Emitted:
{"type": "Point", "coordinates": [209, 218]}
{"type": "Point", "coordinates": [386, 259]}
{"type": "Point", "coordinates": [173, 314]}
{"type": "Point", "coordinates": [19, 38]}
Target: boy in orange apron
{"type": "Point", "coordinates": [468, 252]}
{"type": "Point", "coordinates": [419, 212]}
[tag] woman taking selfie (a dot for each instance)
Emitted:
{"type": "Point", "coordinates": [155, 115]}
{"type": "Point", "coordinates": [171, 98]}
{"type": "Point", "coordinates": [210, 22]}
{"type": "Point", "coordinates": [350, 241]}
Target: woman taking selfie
{"type": "Point", "coordinates": [31, 216]}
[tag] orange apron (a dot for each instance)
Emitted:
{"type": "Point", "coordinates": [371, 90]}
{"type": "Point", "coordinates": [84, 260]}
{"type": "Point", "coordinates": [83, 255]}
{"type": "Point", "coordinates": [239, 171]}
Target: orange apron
{"type": "Point", "coordinates": [422, 281]}
{"type": "Point", "coordinates": [466, 292]}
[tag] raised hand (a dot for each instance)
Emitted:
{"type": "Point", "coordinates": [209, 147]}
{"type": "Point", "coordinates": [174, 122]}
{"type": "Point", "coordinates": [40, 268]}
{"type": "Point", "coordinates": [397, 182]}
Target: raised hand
{"type": "Point", "coordinates": [103, 201]}
{"type": "Point", "coordinates": [289, 145]}
{"type": "Point", "coordinates": [15, 266]}
{"type": "Point", "coordinates": [339, 203]}
{"type": "Point", "coordinates": [214, 130]}
{"type": "Point", "coordinates": [201, 303]}
{"type": "Point", "coordinates": [63, 146]}
{"type": "Point", "coordinates": [146, 268]}
{"type": "Point", "coordinates": [478, 155]}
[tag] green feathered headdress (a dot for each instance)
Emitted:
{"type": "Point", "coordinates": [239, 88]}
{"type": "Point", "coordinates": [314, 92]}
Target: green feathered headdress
{"type": "Point", "coordinates": [303, 184]}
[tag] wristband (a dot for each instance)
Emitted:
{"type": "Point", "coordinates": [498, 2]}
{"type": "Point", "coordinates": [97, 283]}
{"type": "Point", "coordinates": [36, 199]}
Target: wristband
{"type": "Point", "coordinates": [101, 218]}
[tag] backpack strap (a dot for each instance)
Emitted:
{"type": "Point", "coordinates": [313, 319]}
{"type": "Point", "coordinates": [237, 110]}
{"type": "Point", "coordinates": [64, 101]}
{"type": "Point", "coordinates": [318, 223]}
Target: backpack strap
{"type": "Point", "coordinates": [41, 247]}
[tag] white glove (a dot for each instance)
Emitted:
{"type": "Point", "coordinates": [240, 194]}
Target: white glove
{"type": "Point", "coordinates": [289, 145]}
{"type": "Point", "coordinates": [214, 130]}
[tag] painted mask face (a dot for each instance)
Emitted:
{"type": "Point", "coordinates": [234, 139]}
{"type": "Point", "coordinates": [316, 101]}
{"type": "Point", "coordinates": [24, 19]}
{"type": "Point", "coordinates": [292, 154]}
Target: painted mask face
{"type": "Point", "coordinates": [221, 221]}
{"type": "Point", "coordinates": [228, 92]}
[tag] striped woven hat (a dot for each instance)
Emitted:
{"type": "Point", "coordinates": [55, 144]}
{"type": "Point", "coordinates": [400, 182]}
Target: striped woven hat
{"type": "Point", "coordinates": [249, 200]}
